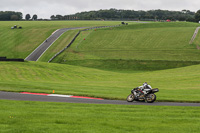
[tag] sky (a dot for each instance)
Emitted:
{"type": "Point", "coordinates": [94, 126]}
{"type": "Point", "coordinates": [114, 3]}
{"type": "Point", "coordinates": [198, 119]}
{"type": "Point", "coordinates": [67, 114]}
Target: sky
{"type": "Point", "coordinates": [46, 8]}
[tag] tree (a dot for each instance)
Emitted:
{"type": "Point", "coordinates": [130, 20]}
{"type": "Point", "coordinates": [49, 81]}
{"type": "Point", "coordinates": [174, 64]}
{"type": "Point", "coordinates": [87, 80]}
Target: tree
{"type": "Point", "coordinates": [59, 17]}
{"type": "Point", "coordinates": [14, 17]}
{"type": "Point", "coordinates": [53, 17]}
{"type": "Point", "coordinates": [10, 15]}
{"type": "Point", "coordinates": [115, 14]}
{"type": "Point", "coordinates": [28, 16]}
{"type": "Point", "coordinates": [34, 17]}
{"type": "Point", "coordinates": [197, 16]}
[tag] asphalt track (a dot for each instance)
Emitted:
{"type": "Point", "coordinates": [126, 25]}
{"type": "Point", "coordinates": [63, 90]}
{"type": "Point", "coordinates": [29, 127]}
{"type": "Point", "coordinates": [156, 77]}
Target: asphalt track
{"type": "Point", "coordinates": [42, 98]}
{"type": "Point", "coordinates": [37, 53]}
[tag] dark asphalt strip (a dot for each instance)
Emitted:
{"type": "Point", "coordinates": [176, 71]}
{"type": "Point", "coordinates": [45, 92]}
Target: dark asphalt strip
{"type": "Point", "coordinates": [26, 97]}
{"type": "Point", "coordinates": [37, 53]}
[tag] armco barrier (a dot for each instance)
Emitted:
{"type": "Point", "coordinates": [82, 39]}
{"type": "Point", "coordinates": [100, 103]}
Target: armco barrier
{"type": "Point", "coordinates": [5, 59]}
{"type": "Point", "coordinates": [76, 37]}
{"type": "Point", "coordinates": [2, 58]}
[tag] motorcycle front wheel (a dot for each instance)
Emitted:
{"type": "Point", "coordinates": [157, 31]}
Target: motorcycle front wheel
{"type": "Point", "coordinates": [130, 98]}
{"type": "Point", "coordinates": [151, 98]}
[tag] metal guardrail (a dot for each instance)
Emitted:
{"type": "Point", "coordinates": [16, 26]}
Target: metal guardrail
{"type": "Point", "coordinates": [5, 59]}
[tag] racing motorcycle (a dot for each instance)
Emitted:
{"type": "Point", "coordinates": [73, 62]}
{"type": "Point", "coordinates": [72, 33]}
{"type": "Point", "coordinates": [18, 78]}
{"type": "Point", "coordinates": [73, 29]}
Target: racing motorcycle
{"type": "Point", "coordinates": [138, 95]}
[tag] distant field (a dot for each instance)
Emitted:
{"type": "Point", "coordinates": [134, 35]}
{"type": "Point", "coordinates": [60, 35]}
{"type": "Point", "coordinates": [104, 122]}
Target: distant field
{"type": "Point", "coordinates": [19, 43]}
{"type": "Point", "coordinates": [129, 44]}
{"type": "Point", "coordinates": [34, 117]}
{"type": "Point", "coordinates": [174, 84]}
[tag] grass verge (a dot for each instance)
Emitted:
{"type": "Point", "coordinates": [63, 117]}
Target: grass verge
{"type": "Point", "coordinates": [34, 117]}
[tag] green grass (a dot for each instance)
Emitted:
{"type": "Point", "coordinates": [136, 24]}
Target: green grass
{"type": "Point", "coordinates": [130, 65]}
{"type": "Point", "coordinates": [122, 58]}
{"type": "Point", "coordinates": [34, 117]}
{"type": "Point", "coordinates": [19, 43]}
{"type": "Point", "coordinates": [120, 65]}
{"type": "Point", "coordinates": [128, 44]}
{"type": "Point", "coordinates": [180, 84]}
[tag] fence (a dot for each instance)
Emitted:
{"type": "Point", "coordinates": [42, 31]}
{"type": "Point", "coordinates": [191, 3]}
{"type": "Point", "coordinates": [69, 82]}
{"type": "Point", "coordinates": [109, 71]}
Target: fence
{"type": "Point", "coordinates": [5, 59]}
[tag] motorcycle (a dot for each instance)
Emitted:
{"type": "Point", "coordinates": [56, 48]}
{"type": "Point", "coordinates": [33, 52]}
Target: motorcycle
{"type": "Point", "coordinates": [138, 95]}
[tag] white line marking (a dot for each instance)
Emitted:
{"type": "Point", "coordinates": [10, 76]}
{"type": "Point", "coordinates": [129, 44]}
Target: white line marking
{"type": "Point", "coordinates": [56, 95]}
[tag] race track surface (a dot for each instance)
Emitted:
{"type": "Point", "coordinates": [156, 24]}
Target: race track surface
{"type": "Point", "coordinates": [37, 53]}
{"type": "Point", "coordinates": [45, 98]}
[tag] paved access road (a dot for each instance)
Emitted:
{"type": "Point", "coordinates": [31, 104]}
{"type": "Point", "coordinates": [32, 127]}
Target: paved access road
{"type": "Point", "coordinates": [37, 53]}
{"type": "Point", "coordinates": [28, 97]}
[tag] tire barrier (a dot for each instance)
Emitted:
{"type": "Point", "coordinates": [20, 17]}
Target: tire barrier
{"type": "Point", "coordinates": [194, 36]}
{"type": "Point", "coordinates": [76, 37]}
{"type": "Point", "coordinates": [5, 59]}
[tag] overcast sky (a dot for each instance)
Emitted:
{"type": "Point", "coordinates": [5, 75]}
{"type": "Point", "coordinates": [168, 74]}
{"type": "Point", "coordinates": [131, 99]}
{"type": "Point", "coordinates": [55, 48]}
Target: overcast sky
{"type": "Point", "coordinates": [46, 8]}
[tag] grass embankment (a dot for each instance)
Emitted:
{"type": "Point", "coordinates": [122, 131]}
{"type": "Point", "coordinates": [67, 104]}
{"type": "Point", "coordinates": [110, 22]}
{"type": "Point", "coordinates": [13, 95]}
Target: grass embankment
{"type": "Point", "coordinates": [19, 43]}
{"type": "Point", "coordinates": [41, 117]}
{"type": "Point", "coordinates": [180, 84]}
{"type": "Point", "coordinates": [123, 47]}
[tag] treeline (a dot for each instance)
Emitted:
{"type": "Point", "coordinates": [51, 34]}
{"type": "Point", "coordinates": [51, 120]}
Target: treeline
{"type": "Point", "coordinates": [10, 15]}
{"type": "Point", "coordinates": [115, 14]}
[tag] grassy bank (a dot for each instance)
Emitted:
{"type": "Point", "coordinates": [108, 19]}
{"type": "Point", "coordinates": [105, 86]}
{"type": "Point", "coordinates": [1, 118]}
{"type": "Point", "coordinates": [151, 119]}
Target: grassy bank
{"type": "Point", "coordinates": [180, 84]}
{"type": "Point", "coordinates": [42, 117]}
{"type": "Point", "coordinates": [131, 65]}
{"type": "Point", "coordinates": [144, 42]}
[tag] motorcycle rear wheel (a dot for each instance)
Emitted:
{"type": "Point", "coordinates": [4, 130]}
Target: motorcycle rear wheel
{"type": "Point", "coordinates": [151, 98]}
{"type": "Point", "coordinates": [130, 98]}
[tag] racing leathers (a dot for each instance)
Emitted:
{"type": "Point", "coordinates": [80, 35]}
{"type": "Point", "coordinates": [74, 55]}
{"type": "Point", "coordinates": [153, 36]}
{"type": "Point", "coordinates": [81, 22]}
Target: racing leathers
{"type": "Point", "coordinates": [144, 88]}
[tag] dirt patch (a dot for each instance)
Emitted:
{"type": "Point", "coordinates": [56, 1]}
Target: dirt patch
{"type": "Point", "coordinates": [198, 47]}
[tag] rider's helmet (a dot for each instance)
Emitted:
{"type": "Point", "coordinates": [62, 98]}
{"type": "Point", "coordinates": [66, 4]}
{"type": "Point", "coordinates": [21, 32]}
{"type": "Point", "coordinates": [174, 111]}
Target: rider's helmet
{"type": "Point", "coordinates": [145, 84]}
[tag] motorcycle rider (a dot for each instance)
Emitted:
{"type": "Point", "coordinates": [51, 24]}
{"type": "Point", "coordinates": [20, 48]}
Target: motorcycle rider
{"type": "Point", "coordinates": [143, 93]}
{"type": "Point", "coordinates": [144, 88]}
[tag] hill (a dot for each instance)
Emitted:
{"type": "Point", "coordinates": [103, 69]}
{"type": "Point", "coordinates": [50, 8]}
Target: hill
{"type": "Point", "coordinates": [19, 43]}
{"type": "Point", "coordinates": [149, 46]}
